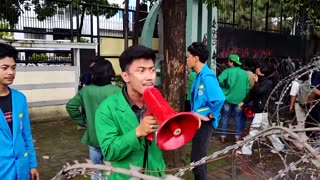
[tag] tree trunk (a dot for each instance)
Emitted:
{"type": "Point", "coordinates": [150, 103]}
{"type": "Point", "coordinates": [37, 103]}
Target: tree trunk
{"type": "Point", "coordinates": [174, 15]}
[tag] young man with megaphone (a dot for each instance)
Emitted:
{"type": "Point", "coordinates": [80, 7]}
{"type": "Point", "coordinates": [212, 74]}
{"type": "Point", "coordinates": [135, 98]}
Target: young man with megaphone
{"type": "Point", "coordinates": [207, 99]}
{"type": "Point", "coordinates": [121, 122]}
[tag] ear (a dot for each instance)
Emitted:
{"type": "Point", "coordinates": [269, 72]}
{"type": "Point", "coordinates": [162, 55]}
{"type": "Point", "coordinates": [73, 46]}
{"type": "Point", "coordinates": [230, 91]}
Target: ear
{"type": "Point", "coordinates": [125, 76]}
{"type": "Point", "coordinates": [196, 58]}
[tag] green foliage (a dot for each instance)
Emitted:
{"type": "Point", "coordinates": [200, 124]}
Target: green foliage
{"type": "Point", "coordinates": [83, 40]}
{"type": "Point", "coordinates": [11, 10]}
{"type": "Point", "coordinates": [38, 57]}
{"type": "Point", "coordinates": [290, 9]}
{"type": "Point", "coordinates": [243, 14]}
{"type": "Point", "coordinates": [311, 7]}
{"type": "Point", "coordinates": [212, 3]}
{"type": "Point", "coordinates": [49, 7]}
{"type": "Point", "coordinates": [4, 34]}
{"type": "Point", "coordinates": [151, 1]}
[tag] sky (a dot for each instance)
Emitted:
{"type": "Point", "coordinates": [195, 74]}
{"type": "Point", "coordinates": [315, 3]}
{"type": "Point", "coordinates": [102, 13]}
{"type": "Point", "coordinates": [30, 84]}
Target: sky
{"type": "Point", "coordinates": [120, 2]}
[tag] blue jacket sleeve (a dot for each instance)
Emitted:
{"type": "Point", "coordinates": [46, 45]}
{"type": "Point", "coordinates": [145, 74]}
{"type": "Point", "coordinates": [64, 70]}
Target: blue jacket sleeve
{"type": "Point", "coordinates": [27, 137]}
{"type": "Point", "coordinates": [215, 97]}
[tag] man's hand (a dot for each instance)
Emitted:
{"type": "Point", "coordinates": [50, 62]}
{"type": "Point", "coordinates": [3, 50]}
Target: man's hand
{"type": "Point", "coordinates": [34, 174]}
{"type": "Point", "coordinates": [147, 125]}
{"type": "Point", "coordinates": [202, 118]}
{"type": "Point", "coordinates": [240, 105]}
{"type": "Point", "coordinates": [291, 109]}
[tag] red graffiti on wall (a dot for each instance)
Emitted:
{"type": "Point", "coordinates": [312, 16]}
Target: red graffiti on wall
{"type": "Point", "coordinates": [245, 52]}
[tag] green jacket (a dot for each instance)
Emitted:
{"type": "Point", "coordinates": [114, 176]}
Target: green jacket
{"type": "Point", "coordinates": [234, 82]}
{"type": "Point", "coordinates": [116, 126]}
{"type": "Point", "coordinates": [89, 98]}
{"type": "Point", "coordinates": [192, 75]}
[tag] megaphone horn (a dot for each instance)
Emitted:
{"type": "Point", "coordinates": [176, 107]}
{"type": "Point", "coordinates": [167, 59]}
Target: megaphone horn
{"type": "Point", "coordinates": [175, 129]}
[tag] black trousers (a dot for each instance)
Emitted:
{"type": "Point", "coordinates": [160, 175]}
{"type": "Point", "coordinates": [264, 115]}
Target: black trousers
{"type": "Point", "coordinates": [200, 143]}
{"type": "Point", "coordinates": [313, 119]}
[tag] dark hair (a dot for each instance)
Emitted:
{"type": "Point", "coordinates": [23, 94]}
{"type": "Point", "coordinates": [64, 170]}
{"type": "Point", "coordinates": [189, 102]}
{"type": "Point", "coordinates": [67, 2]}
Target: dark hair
{"type": "Point", "coordinates": [304, 77]}
{"type": "Point", "coordinates": [102, 73]}
{"type": "Point", "coordinates": [200, 50]}
{"type": "Point", "coordinates": [8, 51]}
{"type": "Point", "coordinates": [133, 53]}
{"type": "Point", "coordinates": [235, 64]}
{"type": "Point", "coordinates": [264, 70]}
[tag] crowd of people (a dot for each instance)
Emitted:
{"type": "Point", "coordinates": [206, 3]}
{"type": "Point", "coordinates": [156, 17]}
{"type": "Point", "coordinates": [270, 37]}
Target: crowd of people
{"type": "Point", "coordinates": [115, 118]}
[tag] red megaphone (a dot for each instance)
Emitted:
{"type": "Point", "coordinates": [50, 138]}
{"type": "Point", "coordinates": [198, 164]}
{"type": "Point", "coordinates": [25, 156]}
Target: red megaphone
{"type": "Point", "coordinates": [175, 129]}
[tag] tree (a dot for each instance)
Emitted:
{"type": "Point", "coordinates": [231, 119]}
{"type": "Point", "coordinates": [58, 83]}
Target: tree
{"type": "Point", "coordinates": [243, 17]}
{"type": "Point", "coordinates": [48, 8]}
{"type": "Point", "coordinates": [290, 9]}
{"type": "Point", "coordinates": [174, 64]}
{"type": "Point", "coordinates": [310, 7]}
{"type": "Point", "coordinates": [11, 10]}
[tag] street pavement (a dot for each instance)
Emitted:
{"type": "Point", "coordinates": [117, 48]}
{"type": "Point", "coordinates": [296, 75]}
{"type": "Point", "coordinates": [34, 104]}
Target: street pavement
{"type": "Point", "coordinates": [57, 142]}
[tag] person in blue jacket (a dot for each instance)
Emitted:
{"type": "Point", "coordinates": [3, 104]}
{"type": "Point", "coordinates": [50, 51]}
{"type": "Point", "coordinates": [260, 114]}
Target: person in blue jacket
{"type": "Point", "coordinates": [206, 101]}
{"type": "Point", "coordinates": [17, 154]}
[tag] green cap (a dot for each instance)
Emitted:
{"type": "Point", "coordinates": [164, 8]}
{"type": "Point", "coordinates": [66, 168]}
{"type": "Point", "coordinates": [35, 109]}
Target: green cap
{"type": "Point", "coordinates": [235, 58]}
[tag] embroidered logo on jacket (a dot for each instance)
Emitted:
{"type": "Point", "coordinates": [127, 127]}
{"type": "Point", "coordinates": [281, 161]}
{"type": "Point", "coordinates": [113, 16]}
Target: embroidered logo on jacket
{"type": "Point", "coordinates": [200, 92]}
{"type": "Point", "coordinates": [21, 115]}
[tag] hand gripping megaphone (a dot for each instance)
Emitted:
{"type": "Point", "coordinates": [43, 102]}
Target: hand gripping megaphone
{"type": "Point", "coordinates": [175, 129]}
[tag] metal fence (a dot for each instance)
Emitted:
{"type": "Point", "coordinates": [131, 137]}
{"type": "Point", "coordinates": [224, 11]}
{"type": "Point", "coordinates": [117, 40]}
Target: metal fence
{"type": "Point", "coordinates": [256, 15]}
{"type": "Point", "coordinates": [64, 20]}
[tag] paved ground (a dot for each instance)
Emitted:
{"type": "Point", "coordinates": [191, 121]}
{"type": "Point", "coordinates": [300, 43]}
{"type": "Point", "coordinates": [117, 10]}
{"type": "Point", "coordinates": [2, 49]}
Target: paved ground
{"type": "Point", "coordinates": [58, 142]}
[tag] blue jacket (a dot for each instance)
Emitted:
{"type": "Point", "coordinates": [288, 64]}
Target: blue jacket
{"type": "Point", "coordinates": [17, 154]}
{"type": "Point", "coordinates": [206, 95]}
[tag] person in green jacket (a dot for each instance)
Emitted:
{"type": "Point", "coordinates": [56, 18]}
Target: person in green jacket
{"type": "Point", "coordinates": [234, 82]}
{"type": "Point", "coordinates": [89, 98]}
{"type": "Point", "coordinates": [121, 122]}
{"type": "Point", "coordinates": [191, 76]}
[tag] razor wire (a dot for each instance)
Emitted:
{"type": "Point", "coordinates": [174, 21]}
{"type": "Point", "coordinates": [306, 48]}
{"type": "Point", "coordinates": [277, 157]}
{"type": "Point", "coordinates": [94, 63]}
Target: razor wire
{"type": "Point", "coordinates": [309, 155]}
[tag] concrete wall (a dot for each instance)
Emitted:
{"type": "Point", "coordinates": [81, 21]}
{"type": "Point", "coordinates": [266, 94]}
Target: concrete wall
{"type": "Point", "coordinates": [115, 46]}
{"type": "Point", "coordinates": [47, 89]}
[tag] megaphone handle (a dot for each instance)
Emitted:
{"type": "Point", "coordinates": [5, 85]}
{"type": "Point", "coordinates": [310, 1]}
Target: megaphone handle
{"type": "Point", "coordinates": [150, 136]}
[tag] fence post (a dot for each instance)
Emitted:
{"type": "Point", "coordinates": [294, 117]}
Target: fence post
{"type": "Point", "coordinates": [267, 16]}
{"type": "Point", "coordinates": [71, 21]}
{"type": "Point", "coordinates": [98, 32]}
{"type": "Point", "coordinates": [209, 35]}
{"type": "Point", "coordinates": [91, 22]}
{"type": "Point", "coordinates": [234, 14]}
{"type": "Point", "coordinates": [125, 23]}
{"type": "Point", "coordinates": [251, 15]}
{"type": "Point", "coordinates": [199, 21]}
{"type": "Point", "coordinates": [136, 23]}
{"type": "Point", "coordinates": [77, 14]}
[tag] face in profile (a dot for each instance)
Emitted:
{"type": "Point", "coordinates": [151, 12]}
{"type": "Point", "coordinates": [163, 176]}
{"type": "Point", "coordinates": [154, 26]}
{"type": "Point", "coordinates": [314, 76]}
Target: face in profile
{"type": "Point", "coordinates": [140, 75]}
{"type": "Point", "coordinates": [7, 70]}
{"type": "Point", "coordinates": [190, 60]}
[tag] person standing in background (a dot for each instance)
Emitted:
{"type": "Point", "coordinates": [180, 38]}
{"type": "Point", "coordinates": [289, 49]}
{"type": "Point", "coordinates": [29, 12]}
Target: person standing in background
{"type": "Point", "coordinates": [190, 78]}
{"type": "Point", "coordinates": [234, 82]}
{"type": "Point", "coordinates": [89, 98]}
{"type": "Point", "coordinates": [206, 102]}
